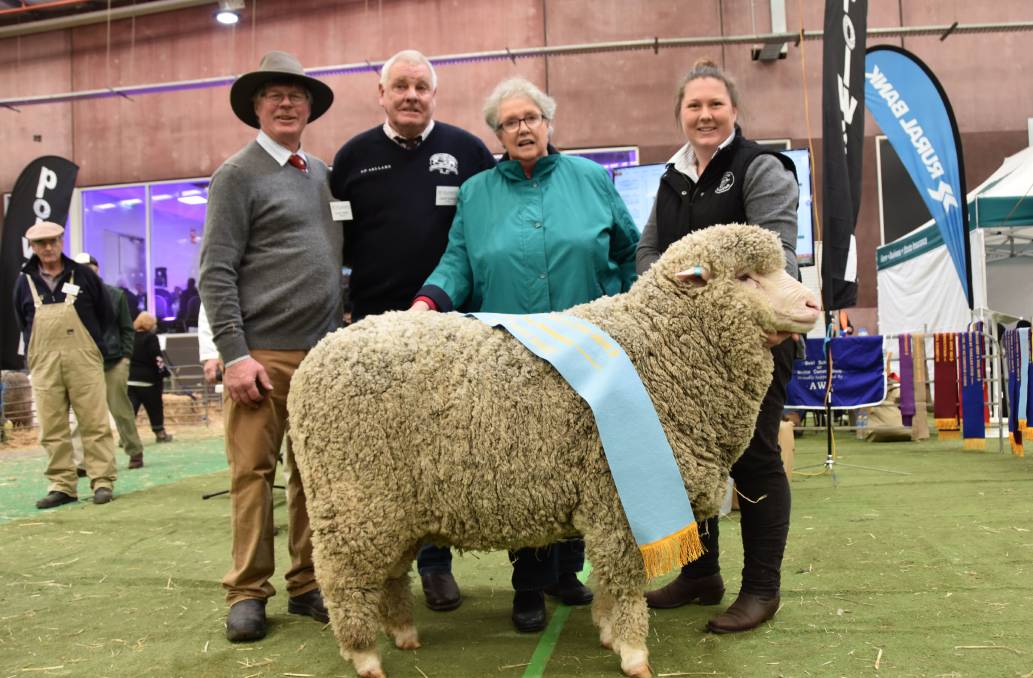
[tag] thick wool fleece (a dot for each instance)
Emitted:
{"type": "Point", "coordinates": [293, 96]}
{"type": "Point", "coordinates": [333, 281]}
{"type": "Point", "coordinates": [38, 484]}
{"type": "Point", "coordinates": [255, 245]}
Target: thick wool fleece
{"type": "Point", "coordinates": [421, 426]}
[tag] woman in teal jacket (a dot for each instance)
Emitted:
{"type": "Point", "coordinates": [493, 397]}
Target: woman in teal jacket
{"type": "Point", "coordinates": [540, 232]}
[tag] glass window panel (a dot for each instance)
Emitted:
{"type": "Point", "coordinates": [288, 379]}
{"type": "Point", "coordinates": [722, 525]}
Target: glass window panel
{"type": "Point", "coordinates": [177, 224]}
{"type": "Point", "coordinates": [114, 232]}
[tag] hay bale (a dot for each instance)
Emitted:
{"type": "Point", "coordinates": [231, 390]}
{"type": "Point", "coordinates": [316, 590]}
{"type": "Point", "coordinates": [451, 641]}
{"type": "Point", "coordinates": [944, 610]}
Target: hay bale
{"type": "Point", "coordinates": [18, 404]}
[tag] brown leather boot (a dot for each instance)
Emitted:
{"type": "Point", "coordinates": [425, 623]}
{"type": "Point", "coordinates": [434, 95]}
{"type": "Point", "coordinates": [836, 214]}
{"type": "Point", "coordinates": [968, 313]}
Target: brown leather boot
{"type": "Point", "coordinates": [747, 612]}
{"type": "Point", "coordinates": [683, 590]}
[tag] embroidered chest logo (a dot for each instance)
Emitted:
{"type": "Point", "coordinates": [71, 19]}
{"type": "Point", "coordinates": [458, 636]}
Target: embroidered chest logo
{"type": "Point", "coordinates": [375, 168]}
{"type": "Point", "coordinates": [444, 163]}
{"type": "Point", "coordinates": [727, 181]}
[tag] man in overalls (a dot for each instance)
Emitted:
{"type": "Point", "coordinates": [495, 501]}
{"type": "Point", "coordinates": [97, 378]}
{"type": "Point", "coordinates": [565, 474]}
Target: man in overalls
{"type": "Point", "coordinates": [62, 309]}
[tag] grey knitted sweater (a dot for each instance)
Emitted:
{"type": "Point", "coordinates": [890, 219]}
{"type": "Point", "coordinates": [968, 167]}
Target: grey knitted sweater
{"type": "Point", "coordinates": [271, 255]}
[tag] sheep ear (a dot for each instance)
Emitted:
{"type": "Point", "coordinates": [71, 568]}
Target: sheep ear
{"type": "Point", "coordinates": [697, 276]}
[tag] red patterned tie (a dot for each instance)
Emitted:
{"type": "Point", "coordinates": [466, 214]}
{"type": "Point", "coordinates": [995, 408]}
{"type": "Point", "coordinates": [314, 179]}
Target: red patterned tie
{"type": "Point", "coordinates": [298, 162]}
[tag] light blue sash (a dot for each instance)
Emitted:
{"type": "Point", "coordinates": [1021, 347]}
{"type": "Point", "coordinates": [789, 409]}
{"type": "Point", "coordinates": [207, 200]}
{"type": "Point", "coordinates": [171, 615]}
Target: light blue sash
{"type": "Point", "coordinates": [640, 458]}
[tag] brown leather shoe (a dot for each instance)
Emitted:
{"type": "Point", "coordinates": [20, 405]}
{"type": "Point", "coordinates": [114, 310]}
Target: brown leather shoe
{"type": "Point", "coordinates": [136, 460]}
{"type": "Point", "coordinates": [441, 591]}
{"type": "Point", "coordinates": [747, 612]}
{"type": "Point", "coordinates": [683, 590]}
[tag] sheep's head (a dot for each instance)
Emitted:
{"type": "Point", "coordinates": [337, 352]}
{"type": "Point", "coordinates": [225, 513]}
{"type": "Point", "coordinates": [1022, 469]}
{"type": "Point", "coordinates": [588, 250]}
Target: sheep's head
{"type": "Point", "coordinates": [750, 260]}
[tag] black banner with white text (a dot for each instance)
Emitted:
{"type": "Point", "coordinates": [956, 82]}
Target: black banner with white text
{"type": "Point", "coordinates": [846, 23]}
{"type": "Point", "coordinates": [43, 192]}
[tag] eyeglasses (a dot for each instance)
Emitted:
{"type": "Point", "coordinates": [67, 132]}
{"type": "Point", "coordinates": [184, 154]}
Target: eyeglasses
{"type": "Point", "coordinates": [277, 97]}
{"type": "Point", "coordinates": [43, 243]}
{"type": "Point", "coordinates": [532, 120]}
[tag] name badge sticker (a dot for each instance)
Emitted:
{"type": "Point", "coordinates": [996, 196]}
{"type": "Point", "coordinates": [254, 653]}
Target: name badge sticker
{"type": "Point", "coordinates": [341, 210]}
{"type": "Point", "coordinates": [70, 289]}
{"type": "Point", "coordinates": [447, 196]}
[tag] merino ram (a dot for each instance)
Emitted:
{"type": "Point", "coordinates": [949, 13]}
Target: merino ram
{"type": "Point", "coordinates": [414, 427]}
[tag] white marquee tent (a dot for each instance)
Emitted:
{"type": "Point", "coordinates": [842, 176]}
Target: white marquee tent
{"type": "Point", "coordinates": [918, 287]}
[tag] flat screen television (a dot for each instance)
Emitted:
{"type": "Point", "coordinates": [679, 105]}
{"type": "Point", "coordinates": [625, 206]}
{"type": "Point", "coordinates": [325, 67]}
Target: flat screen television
{"type": "Point", "coordinates": [637, 186]}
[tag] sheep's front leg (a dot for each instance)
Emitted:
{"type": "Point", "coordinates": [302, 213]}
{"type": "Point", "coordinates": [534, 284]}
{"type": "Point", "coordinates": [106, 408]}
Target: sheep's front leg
{"type": "Point", "coordinates": [354, 612]}
{"type": "Point", "coordinates": [619, 608]}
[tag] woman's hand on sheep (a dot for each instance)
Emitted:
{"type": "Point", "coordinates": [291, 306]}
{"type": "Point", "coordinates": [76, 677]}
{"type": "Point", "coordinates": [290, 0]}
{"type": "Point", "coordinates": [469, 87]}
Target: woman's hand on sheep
{"type": "Point", "coordinates": [419, 305]}
{"type": "Point", "coordinates": [246, 382]}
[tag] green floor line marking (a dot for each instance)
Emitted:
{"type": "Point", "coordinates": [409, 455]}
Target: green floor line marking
{"type": "Point", "coordinates": [551, 635]}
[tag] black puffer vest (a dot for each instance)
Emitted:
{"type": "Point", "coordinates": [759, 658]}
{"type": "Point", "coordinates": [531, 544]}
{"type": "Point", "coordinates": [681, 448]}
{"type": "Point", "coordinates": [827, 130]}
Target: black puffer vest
{"type": "Point", "coordinates": [683, 206]}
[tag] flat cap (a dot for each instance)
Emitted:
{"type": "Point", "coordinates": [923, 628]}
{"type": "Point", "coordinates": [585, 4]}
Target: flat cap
{"type": "Point", "coordinates": [44, 230]}
{"type": "Point", "coordinates": [84, 258]}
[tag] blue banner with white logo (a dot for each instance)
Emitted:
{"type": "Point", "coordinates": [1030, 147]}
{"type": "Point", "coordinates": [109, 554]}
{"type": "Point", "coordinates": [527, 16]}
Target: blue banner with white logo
{"type": "Point", "coordinates": [914, 113]}
{"type": "Point", "coordinates": [858, 374]}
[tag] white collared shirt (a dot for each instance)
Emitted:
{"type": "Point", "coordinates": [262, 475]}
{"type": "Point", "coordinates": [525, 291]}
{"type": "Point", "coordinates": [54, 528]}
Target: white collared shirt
{"type": "Point", "coordinates": [391, 132]}
{"type": "Point", "coordinates": [685, 159]}
{"type": "Point", "coordinates": [280, 153]}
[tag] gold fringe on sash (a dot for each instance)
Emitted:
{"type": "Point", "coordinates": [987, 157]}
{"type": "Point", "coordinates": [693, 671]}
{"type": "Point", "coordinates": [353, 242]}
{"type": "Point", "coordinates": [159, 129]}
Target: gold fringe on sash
{"type": "Point", "coordinates": [948, 429]}
{"type": "Point", "coordinates": [974, 444]}
{"type": "Point", "coordinates": [675, 550]}
{"type": "Point", "coordinates": [1016, 445]}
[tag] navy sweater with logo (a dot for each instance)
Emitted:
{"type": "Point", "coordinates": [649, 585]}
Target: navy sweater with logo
{"type": "Point", "coordinates": [398, 231]}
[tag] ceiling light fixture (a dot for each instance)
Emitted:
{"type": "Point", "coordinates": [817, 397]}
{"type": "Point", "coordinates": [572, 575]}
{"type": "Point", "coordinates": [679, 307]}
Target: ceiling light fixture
{"type": "Point", "coordinates": [229, 12]}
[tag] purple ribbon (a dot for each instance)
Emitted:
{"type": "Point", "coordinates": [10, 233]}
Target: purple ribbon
{"type": "Point", "coordinates": [907, 380]}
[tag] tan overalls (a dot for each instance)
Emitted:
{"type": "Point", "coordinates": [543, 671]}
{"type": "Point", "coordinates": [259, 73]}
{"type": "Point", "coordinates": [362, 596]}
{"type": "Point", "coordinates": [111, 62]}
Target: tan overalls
{"type": "Point", "coordinates": [67, 369]}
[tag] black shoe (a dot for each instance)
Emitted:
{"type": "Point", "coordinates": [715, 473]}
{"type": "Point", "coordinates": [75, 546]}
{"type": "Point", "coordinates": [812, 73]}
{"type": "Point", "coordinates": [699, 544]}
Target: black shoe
{"type": "Point", "coordinates": [441, 591]}
{"type": "Point", "coordinates": [162, 437]}
{"type": "Point", "coordinates": [55, 498]}
{"type": "Point", "coordinates": [102, 495]}
{"type": "Point", "coordinates": [246, 621]}
{"type": "Point", "coordinates": [529, 611]}
{"type": "Point", "coordinates": [570, 590]}
{"type": "Point", "coordinates": [309, 604]}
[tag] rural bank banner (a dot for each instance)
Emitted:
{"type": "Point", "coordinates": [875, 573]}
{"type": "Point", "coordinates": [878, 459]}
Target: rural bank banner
{"type": "Point", "coordinates": [858, 376]}
{"type": "Point", "coordinates": [914, 113]}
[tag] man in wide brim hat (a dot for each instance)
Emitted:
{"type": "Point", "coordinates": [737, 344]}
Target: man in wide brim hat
{"type": "Point", "coordinates": [277, 67]}
{"type": "Point", "coordinates": [270, 286]}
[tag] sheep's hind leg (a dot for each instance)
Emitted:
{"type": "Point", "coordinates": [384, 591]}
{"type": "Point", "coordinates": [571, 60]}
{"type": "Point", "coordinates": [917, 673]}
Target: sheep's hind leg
{"type": "Point", "coordinates": [396, 605]}
{"type": "Point", "coordinates": [630, 620]}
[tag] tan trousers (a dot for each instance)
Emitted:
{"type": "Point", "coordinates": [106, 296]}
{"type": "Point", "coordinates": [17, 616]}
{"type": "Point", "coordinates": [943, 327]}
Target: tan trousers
{"type": "Point", "coordinates": [116, 379]}
{"type": "Point", "coordinates": [67, 371]}
{"type": "Point", "coordinates": [253, 440]}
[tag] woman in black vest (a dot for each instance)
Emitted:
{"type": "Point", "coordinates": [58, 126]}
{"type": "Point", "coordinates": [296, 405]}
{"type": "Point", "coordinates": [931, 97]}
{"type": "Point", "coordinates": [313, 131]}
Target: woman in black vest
{"type": "Point", "coordinates": [721, 177]}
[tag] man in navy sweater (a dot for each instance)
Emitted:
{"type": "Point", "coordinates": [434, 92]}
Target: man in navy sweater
{"type": "Point", "coordinates": [399, 182]}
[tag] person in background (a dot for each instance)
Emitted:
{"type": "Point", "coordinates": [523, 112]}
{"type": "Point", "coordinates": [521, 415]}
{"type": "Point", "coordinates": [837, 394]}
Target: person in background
{"type": "Point", "coordinates": [400, 180]}
{"type": "Point", "coordinates": [118, 351]}
{"type": "Point", "coordinates": [147, 372]}
{"type": "Point", "coordinates": [62, 309]}
{"type": "Point", "coordinates": [270, 285]}
{"type": "Point", "coordinates": [206, 351]}
{"type": "Point", "coordinates": [186, 313]}
{"type": "Point", "coordinates": [541, 232]}
{"type": "Point", "coordinates": [721, 177]}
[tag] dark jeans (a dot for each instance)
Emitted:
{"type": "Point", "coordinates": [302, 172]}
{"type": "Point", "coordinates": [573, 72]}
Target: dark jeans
{"type": "Point", "coordinates": [434, 559]}
{"type": "Point", "coordinates": [535, 569]}
{"type": "Point", "coordinates": [758, 472]}
{"type": "Point", "coordinates": [150, 398]}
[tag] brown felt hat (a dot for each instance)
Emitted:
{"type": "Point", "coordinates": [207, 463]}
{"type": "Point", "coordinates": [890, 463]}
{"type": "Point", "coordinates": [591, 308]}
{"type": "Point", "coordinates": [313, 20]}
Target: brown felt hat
{"type": "Point", "coordinates": [44, 230]}
{"type": "Point", "coordinates": [273, 67]}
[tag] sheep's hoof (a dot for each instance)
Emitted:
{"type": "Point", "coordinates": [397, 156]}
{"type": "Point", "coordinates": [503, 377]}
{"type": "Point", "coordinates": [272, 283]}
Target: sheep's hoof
{"type": "Point", "coordinates": [606, 638]}
{"type": "Point", "coordinates": [367, 664]}
{"type": "Point", "coordinates": [635, 663]}
{"type": "Point", "coordinates": [406, 639]}
{"type": "Point", "coordinates": [642, 671]}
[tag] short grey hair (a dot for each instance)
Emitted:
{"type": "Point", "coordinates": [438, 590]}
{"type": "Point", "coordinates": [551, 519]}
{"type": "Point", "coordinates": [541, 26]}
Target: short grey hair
{"type": "Point", "coordinates": [408, 56]}
{"type": "Point", "coordinates": [511, 89]}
